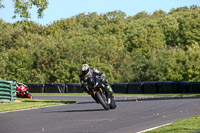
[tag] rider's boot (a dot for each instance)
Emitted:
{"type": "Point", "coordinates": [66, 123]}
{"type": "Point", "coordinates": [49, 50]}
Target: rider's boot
{"type": "Point", "coordinates": [111, 100]}
{"type": "Point", "coordinates": [110, 93]}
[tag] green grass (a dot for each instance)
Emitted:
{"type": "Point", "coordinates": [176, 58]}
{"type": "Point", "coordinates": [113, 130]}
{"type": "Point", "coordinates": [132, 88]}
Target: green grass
{"type": "Point", "coordinates": [119, 94]}
{"type": "Point", "coordinates": [190, 125]}
{"type": "Point", "coordinates": [22, 103]}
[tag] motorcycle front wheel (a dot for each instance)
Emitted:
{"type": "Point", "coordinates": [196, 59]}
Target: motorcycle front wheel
{"type": "Point", "coordinates": [103, 100]}
{"type": "Point", "coordinates": [29, 96]}
{"type": "Point", "coordinates": [113, 104]}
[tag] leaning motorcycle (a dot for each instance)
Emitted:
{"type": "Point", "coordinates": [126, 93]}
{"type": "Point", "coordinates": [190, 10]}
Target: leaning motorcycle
{"type": "Point", "coordinates": [23, 91]}
{"type": "Point", "coordinates": [95, 89]}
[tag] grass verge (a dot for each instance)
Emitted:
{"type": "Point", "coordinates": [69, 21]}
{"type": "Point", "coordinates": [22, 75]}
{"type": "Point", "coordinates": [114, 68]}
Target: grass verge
{"type": "Point", "coordinates": [22, 103]}
{"type": "Point", "coordinates": [190, 125]}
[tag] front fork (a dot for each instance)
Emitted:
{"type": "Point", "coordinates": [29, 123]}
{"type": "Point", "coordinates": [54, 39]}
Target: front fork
{"type": "Point", "coordinates": [101, 90]}
{"type": "Point", "coordinates": [94, 92]}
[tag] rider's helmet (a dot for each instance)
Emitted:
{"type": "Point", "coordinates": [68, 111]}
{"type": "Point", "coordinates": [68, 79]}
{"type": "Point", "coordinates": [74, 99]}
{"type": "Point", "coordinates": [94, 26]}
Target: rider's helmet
{"type": "Point", "coordinates": [85, 69]}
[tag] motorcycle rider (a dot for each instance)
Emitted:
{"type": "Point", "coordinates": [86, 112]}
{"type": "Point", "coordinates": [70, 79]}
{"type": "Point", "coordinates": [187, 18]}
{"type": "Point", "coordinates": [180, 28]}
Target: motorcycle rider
{"type": "Point", "coordinates": [20, 89]}
{"type": "Point", "coordinates": [18, 84]}
{"type": "Point", "coordinates": [86, 73]}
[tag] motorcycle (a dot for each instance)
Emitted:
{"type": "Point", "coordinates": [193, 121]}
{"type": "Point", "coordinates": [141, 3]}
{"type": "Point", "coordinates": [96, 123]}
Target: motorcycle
{"type": "Point", "coordinates": [23, 91]}
{"type": "Point", "coordinates": [94, 88]}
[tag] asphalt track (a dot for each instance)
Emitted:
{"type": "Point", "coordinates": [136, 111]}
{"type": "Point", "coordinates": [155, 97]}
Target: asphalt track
{"type": "Point", "coordinates": [131, 115]}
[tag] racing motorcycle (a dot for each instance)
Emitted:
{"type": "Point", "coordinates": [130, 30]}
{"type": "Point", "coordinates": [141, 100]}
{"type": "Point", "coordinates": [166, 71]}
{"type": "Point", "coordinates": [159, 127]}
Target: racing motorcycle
{"type": "Point", "coordinates": [95, 87]}
{"type": "Point", "coordinates": [23, 91]}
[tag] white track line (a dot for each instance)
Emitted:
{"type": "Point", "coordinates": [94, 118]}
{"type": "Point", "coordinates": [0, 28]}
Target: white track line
{"type": "Point", "coordinates": [153, 128]}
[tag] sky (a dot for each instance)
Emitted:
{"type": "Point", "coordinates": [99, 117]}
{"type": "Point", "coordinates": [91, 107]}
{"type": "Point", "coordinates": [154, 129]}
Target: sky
{"type": "Point", "coordinates": [62, 9]}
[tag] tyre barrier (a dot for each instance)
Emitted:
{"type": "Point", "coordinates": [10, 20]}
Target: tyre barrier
{"type": "Point", "coordinates": [166, 87]}
{"type": "Point", "coordinates": [181, 87]}
{"type": "Point", "coordinates": [126, 88]}
{"type": "Point", "coordinates": [120, 88]}
{"type": "Point", "coordinates": [54, 88]}
{"type": "Point", "coordinates": [149, 87]}
{"type": "Point", "coordinates": [73, 88]}
{"type": "Point", "coordinates": [134, 88]}
{"type": "Point", "coordinates": [7, 91]}
{"type": "Point", "coordinates": [35, 87]}
{"type": "Point", "coordinates": [194, 87]}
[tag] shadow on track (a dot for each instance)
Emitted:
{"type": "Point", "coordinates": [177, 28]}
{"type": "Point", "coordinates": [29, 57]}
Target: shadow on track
{"type": "Point", "coordinates": [88, 102]}
{"type": "Point", "coordinates": [72, 111]}
{"type": "Point", "coordinates": [87, 110]}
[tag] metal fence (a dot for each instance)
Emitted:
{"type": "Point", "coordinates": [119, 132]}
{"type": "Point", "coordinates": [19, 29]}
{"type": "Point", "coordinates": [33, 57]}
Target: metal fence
{"type": "Point", "coordinates": [7, 91]}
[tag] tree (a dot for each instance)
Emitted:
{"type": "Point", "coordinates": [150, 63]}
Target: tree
{"type": "Point", "coordinates": [169, 26]}
{"type": "Point", "coordinates": [19, 65]}
{"type": "Point", "coordinates": [22, 7]}
{"type": "Point", "coordinates": [143, 35]}
{"type": "Point", "coordinates": [141, 15]}
{"type": "Point", "coordinates": [159, 47]}
{"type": "Point", "coordinates": [158, 14]}
{"type": "Point", "coordinates": [189, 28]}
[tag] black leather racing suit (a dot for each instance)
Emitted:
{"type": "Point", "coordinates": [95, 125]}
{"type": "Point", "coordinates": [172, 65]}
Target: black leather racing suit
{"type": "Point", "coordinates": [100, 75]}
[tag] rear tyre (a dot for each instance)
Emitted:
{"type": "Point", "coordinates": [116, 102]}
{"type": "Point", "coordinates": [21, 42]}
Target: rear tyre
{"type": "Point", "coordinates": [102, 100]}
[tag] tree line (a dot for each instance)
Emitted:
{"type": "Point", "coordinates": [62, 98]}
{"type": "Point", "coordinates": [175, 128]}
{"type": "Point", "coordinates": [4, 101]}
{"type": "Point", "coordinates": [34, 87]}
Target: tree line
{"type": "Point", "coordinates": [144, 47]}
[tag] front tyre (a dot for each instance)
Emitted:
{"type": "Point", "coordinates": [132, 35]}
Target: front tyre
{"type": "Point", "coordinates": [113, 104]}
{"type": "Point", "coordinates": [102, 100]}
{"type": "Point", "coordinates": [28, 95]}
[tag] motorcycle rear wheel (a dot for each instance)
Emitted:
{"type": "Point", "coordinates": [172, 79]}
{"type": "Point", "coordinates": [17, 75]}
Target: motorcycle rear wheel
{"type": "Point", "coordinates": [102, 100]}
